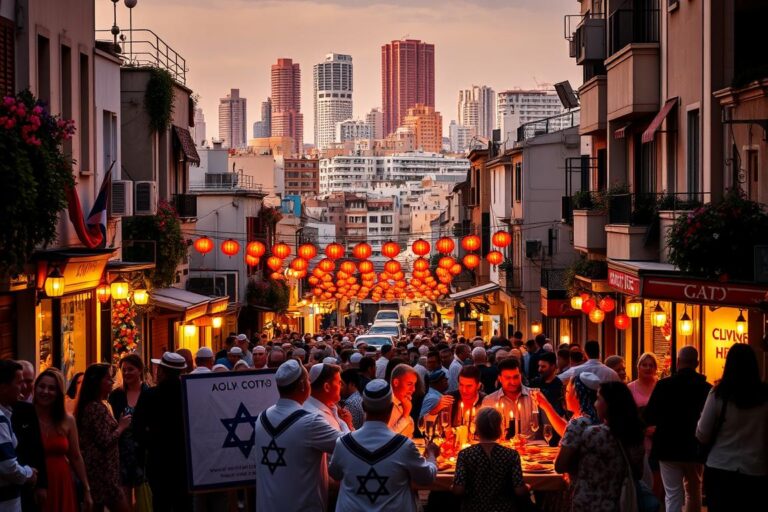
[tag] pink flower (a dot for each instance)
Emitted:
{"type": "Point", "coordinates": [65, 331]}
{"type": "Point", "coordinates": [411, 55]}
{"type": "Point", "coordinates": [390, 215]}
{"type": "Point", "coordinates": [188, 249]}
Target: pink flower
{"type": "Point", "coordinates": [37, 110]}
{"type": "Point", "coordinates": [10, 123]}
{"type": "Point", "coordinates": [9, 100]}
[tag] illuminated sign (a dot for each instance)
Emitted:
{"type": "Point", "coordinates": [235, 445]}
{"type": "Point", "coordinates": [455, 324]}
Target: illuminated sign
{"type": "Point", "coordinates": [624, 282]}
{"type": "Point", "coordinates": [719, 336]}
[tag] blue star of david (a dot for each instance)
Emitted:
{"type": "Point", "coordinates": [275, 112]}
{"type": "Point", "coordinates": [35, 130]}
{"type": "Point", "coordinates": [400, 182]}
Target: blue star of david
{"type": "Point", "coordinates": [280, 461]}
{"type": "Point", "coordinates": [233, 440]}
{"type": "Point", "coordinates": [372, 495]}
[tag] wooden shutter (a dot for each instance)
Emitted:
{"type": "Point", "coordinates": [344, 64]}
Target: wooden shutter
{"type": "Point", "coordinates": [7, 57]}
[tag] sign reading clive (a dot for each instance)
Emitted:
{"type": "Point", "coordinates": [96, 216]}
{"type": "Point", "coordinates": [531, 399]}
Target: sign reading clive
{"type": "Point", "coordinates": [220, 413]}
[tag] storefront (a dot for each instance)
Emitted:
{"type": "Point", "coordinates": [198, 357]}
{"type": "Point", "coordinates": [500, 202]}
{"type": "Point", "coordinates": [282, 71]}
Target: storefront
{"type": "Point", "coordinates": [479, 311]}
{"type": "Point", "coordinates": [560, 322]}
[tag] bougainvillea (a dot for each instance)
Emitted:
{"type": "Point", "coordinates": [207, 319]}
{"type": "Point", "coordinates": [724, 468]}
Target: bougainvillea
{"type": "Point", "coordinates": [125, 333]}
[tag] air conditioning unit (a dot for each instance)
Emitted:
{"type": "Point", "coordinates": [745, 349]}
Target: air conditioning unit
{"type": "Point", "coordinates": [218, 284]}
{"type": "Point", "coordinates": [121, 203]}
{"type": "Point", "coordinates": [532, 248]}
{"type": "Point", "coordinates": [146, 198]}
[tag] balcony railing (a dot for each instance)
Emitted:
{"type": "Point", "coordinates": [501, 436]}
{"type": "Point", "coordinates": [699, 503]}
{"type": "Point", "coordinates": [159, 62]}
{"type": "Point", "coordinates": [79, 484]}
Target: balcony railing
{"type": "Point", "coordinates": [235, 181]}
{"type": "Point", "coordinates": [143, 48]}
{"type": "Point", "coordinates": [185, 205]}
{"type": "Point", "coordinates": [578, 170]}
{"type": "Point", "coordinates": [626, 26]}
{"type": "Point", "coordinates": [641, 208]}
{"type": "Point", "coordinates": [548, 125]}
{"type": "Point", "coordinates": [553, 279]}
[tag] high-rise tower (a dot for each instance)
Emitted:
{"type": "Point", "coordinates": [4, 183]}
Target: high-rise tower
{"type": "Point", "coordinates": [332, 81]}
{"type": "Point", "coordinates": [407, 79]}
{"type": "Point", "coordinates": [287, 119]}
{"type": "Point", "coordinates": [232, 122]}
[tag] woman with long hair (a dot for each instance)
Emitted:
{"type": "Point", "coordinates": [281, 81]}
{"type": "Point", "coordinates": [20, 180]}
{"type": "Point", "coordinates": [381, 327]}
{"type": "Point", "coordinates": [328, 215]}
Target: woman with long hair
{"type": "Point", "coordinates": [70, 398]}
{"type": "Point", "coordinates": [734, 424]}
{"type": "Point", "coordinates": [99, 433]}
{"type": "Point", "coordinates": [123, 400]}
{"type": "Point", "coordinates": [642, 388]}
{"type": "Point", "coordinates": [579, 401]}
{"type": "Point", "coordinates": [60, 442]}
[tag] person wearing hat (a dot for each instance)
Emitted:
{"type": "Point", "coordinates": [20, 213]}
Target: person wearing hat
{"type": "Point", "coordinates": [158, 422]}
{"type": "Point", "coordinates": [234, 354]}
{"type": "Point", "coordinates": [260, 357]}
{"type": "Point", "coordinates": [203, 360]}
{"type": "Point", "coordinates": [325, 381]}
{"type": "Point", "coordinates": [436, 400]}
{"type": "Point", "coordinates": [513, 397]}
{"type": "Point", "coordinates": [376, 467]}
{"type": "Point", "coordinates": [242, 342]}
{"type": "Point", "coordinates": [289, 444]}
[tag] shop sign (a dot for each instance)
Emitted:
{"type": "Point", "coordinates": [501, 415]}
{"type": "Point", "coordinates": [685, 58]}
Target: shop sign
{"type": "Point", "coordinates": [624, 282]}
{"type": "Point", "coordinates": [703, 292]}
{"type": "Point", "coordinates": [719, 336]}
{"type": "Point", "coordinates": [83, 273]}
{"type": "Point", "coordinates": [220, 412]}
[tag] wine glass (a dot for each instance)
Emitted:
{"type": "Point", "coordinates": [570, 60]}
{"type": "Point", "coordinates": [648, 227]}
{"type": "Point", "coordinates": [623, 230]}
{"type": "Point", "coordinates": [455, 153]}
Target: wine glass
{"type": "Point", "coordinates": [534, 425]}
{"type": "Point", "coordinates": [548, 433]}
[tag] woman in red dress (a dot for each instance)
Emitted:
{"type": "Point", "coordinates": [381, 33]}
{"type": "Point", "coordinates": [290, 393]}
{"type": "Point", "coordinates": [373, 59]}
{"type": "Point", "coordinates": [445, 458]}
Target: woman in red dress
{"type": "Point", "coordinates": [60, 441]}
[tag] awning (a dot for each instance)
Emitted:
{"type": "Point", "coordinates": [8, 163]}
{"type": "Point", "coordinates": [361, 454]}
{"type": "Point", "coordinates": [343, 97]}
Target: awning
{"type": "Point", "coordinates": [193, 305]}
{"type": "Point", "coordinates": [187, 144]}
{"type": "Point", "coordinates": [621, 133]}
{"type": "Point", "coordinates": [474, 292]}
{"type": "Point", "coordinates": [650, 132]}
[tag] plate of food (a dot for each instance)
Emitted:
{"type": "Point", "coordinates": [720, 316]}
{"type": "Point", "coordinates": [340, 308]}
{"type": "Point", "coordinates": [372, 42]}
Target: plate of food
{"type": "Point", "coordinates": [536, 468]}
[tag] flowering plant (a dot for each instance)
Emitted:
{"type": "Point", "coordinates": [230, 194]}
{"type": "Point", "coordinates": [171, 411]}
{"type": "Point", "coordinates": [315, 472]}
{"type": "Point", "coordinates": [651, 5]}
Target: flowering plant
{"type": "Point", "coordinates": [717, 240]}
{"type": "Point", "coordinates": [35, 173]}
{"type": "Point", "coordinates": [125, 334]}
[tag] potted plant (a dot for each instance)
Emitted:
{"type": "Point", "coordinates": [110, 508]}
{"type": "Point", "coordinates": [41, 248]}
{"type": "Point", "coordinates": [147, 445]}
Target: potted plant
{"type": "Point", "coordinates": [671, 207]}
{"type": "Point", "coordinates": [589, 220]}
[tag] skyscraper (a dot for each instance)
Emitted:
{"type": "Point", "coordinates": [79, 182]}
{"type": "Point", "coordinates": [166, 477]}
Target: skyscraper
{"type": "Point", "coordinates": [199, 128]}
{"type": "Point", "coordinates": [287, 119]}
{"type": "Point", "coordinates": [407, 79]}
{"type": "Point", "coordinates": [263, 128]}
{"type": "Point", "coordinates": [332, 80]}
{"type": "Point", "coordinates": [516, 107]}
{"type": "Point", "coordinates": [477, 110]}
{"type": "Point", "coordinates": [232, 122]}
{"type": "Point", "coordinates": [427, 128]}
{"type": "Point", "coordinates": [375, 118]}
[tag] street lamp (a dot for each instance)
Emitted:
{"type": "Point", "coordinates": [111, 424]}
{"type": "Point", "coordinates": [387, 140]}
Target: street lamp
{"type": "Point", "coordinates": [119, 288]}
{"type": "Point", "coordinates": [54, 283]}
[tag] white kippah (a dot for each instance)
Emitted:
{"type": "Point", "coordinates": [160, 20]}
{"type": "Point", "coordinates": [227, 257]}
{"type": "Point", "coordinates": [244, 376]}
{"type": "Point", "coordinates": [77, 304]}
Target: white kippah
{"type": "Point", "coordinates": [423, 350]}
{"type": "Point", "coordinates": [329, 360]}
{"type": "Point", "coordinates": [377, 395]}
{"type": "Point", "coordinates": [315, 372]}
{"type": "Point", "coordinates": [356, 357]}
{"type": "Point", "coordinates": [590, 380]}
{"type": "Point", "coordinates": [236, 351]}
{"type": "Point", "coordinates": [288, 373]}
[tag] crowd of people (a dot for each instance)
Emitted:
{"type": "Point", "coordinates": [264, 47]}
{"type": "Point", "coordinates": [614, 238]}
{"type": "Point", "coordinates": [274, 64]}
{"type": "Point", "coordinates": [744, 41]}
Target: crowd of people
{"type": "Point", "coordinates": [344, 432]}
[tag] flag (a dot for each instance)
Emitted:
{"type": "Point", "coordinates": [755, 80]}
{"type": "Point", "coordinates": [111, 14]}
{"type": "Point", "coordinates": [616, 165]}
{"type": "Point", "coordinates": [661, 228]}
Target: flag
{"type": "Point", "coordinates": [97, 219]}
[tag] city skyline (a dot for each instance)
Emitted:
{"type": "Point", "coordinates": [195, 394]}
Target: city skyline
{"type": "Point", "coordinates": [490, 47]}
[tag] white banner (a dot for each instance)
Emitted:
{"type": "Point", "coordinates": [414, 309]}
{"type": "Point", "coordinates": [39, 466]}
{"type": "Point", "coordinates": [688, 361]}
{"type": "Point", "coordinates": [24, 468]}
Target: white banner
{"type": "Point", "coordinates": [220, 411]}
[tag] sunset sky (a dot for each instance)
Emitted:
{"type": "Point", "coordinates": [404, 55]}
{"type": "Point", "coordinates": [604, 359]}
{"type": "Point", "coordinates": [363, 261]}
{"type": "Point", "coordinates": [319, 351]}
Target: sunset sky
{"type": "Point", "coordinates": [232, 43]}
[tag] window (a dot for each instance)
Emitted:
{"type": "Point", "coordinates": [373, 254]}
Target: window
{"type": "Point", "coordinates": [373, 218]}
{"type": "Point", "coordinates": [109, 144]}
{"type": "Point", "coordinates": [66, 91]}
{"type": "Point", "coordinates": [85, 117]}
{"type": "Point", "coordinates": [386, 219]}
{"type": "Point", "coordinates": [7, 57]}
{"type": "Point", "coordinates": [43, 69]}
{"type": "Point", "coordinates": [518, 182]}
{"type": "Point", "coordinates": [694, 176]}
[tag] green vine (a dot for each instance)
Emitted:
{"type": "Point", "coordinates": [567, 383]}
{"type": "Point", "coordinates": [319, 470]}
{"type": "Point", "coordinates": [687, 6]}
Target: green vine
{"type": "Point", "coordinates": [35, 173]}
{"type": "Point", "coordinates": [158, 99]}
{"type": "Point", "coordinates": [591, 269]}
{"type": "Point", "coordinates": [272, 294]}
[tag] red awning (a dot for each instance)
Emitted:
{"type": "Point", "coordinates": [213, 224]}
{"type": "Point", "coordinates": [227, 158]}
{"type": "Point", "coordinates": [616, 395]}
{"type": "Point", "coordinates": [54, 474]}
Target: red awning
{"type": "Point", "coordinates": [621, 133]}
{"type": "Point", "coordinates": [650, 132]}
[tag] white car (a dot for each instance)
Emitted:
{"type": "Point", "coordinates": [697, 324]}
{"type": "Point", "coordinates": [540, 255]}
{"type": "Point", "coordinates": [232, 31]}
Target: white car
{"type": "Point", "coordinates": [387, 328]}
{"type": "Point", "coordinates": [374, 340]}
{"type": "Point", "coordinates": [387, 314]}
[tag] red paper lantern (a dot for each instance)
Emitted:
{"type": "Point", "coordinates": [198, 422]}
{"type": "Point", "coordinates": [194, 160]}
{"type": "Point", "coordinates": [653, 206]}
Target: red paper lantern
{"type": "Point", "coordinates": [420, 247]}
{"type": "Point", "coordinates": [471, 243]}
{"type": "Point", "coordinates": [365, 267]}
{"type": "Point", "coordinates": [251, 261]}
{"type": "Point", "coordinates": [299, 264]}
{"type": "Point", "coordinates": [501, 239]}
{"type": "Point", "coordinates": [307, 251]}
{"type": "Point", "coordinates": [494, 257]}
{"type": "Point", "coordinates": [445, 245]}
{"type": "Point", "coordinates": [326, 265]}
{"type": "Point", "coordinates": [277, 276]}
{"type": "Point", "coordinates": [281, 250]}
{"type": "Point", "coordinates": [348, 267]}
{"type": "Point", "coordinates": [334, 251]}
{"type": "Point", "coordinates": [588, 305]}
{"type": "Point", "coordinates": [362, 251]}
{"type": "Point", "coordinates": [256, 249]}
{"type": "Point", "coordinates": [446, 262]}
{"type": "Point", "coordinates": [607, 304]}
{"type": "Point", "coordinates": [420, 264]}
{"type": "Point", "coordinates": [390, 249]}
{"type": "Point", "coordinates": [471, 260]}
{"type": "Point", "coordinates": [622, 321]}
{"type": "Point", "coordinates": [455, 269]}
{"type": "Point", "coordinates": [230, 247]}
{"type": "Point", "coordinates": [392, 266]}
{"type": "Point", "coordinates": [104, 292]}
{"type": "Point", "coordinates": [203, 245]}
{"type": "Point", "coordinates": [274, 263]}
{"type": "Point", "coordinates": [597, 315]}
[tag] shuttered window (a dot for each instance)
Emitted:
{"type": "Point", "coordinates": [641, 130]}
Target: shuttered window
{"type": "Point", "coordinates": [7, 52]}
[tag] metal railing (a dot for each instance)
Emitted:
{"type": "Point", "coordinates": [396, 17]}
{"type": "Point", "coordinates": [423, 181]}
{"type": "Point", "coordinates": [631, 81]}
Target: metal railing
{"type": "Point", "coordinates": [572, 22]}
{"type": "Point", "coordinates": [579, 169]}
{"type": "Point", "coordinates": [626, 26]}
{"type": "Point", "coordinates": [553, 278]}
{"type": "Point", "coordinates": [185, 205]}
{"type": "Point", "coordinates": [642, 208]}
{"type": "Point", "coordinates": [548, 125]}
{"type": "Point", "coordinates": [142, 47]}
{"type": "Point", "coordinates": [235, 181]}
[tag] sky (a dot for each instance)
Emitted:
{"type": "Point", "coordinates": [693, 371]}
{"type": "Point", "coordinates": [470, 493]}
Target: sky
{"type": "Point", "coordinates": [231, 44]}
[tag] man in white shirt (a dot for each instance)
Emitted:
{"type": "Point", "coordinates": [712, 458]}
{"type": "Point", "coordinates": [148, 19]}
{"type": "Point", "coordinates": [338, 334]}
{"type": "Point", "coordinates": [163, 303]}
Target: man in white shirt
{"type": "Point", "coordinates": [513, 400]}
{"type": "Point", "coordinates": [376, 467]}
{"type": "Point", "coordinates": [260, 357]}
{"type": "Point", "coordinates": [383, 361]}
{"type": "Point", "coordinates": [325, 380]}
{"type": "Point", "coordinates": [290, 444]}
{"type": "Point", "coordinates": [421, 365]}
{"type": "Point", "coordinates": [203, 360]}
{"type": "Point", "coordinates": [462, 353]}
{"type": "Point", "coordinates": [242, 342]}
{"type": "Point", "coordinates": [593, 364]}
{"type": "Point", "coordinates": [404, 380]}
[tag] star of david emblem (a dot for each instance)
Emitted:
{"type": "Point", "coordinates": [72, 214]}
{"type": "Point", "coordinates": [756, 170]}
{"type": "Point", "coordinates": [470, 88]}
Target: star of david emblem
{"type": "Point", "coordinates": [372, 495]}
{"type": "Point", "coordinates": [233, 440]}
{"type": "Point", "coordinates": [273, 465]}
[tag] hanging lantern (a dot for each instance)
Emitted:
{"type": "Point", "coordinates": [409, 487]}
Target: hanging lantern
{"type": "Point", "coordinates": [741, 323]}
{"type": "Point", "coordinates": [622, 321]}
{"type": "Point", "coordinates": [365, 267]}
{"type": "Point", "coordinates": [326, 265]}
{"type": "Point", "coordinates": [255, 249]}
{"type": "Point", "coordinates": [420, 247]}
{"type": "Point", "coordinates": [470, 243]}
{"type": "Point", "coordinates": [307, 251]}
{"type": "Point", "coordinates": [576, 302]}
{"type": "Point", "coordinates": [420, 264]}
{"type": "Point", "coordinates": [251, 261]}
{"type": "Point", "coordinates": [362, 251]}
{"type": "Point", "coordinates": [445, 263]}
{"type": "Point", "coordinates": [445, 245]}
{"type": "Point", "coordinates": [494, 257]}
{"type": "Point", "coordinates": [588, 305]}
{"type": "Point", "coordinates": [103, 292]}
{"type": "Point", "coordinates": [348, 267]}
{"type": "Point", "coordinates": [473, 314]}
{"type": "Point", "coordinates": [334, 251]}
{"type": "Point", "coordinates": [203, 245]}
{"type": "Point", "coordinates": [281, 250]}
{"type": "Point", "coordinates": [686, 325]}
{"type": "Point", "coordinates": [274, 263]}
{"type": "Point", "coordinates": [299, 264]}
{"type": "Point", "coordinates": [390, 249]}
{"type": "Point", "coordinates": [659, 316]}
{"type": "Point", "coordinates": [54, 283]}
{"type": "Point", "coordinates": [276, 276]}
{"type": "Point", "coordinates": [229, 247]}
{"type": "Point", "coordinates": [455, 269]}
{"type": "Point", "coordinates": [119, 288]}
{"type": "Point", "coordinates": [535, 327]}
{"type": "Point", "coordinates": [634, 308]}
{"type": "Point", "coordinates": [471, 260]}
{"type": "Point", "coordinates": [607, 304]}
{"type": "Point", "coordinates": [392, 266]}
{"type": "Point", "coordinates": [501, 239]}
{"type": "Point", "coordinates": [597, 315]}
{"type": "Point", "coordinates": [140, 296]}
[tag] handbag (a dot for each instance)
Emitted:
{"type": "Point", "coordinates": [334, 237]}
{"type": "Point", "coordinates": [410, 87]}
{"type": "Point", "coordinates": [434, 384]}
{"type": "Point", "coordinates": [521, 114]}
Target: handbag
{"type": "Point", "coordinates": [143, 498]}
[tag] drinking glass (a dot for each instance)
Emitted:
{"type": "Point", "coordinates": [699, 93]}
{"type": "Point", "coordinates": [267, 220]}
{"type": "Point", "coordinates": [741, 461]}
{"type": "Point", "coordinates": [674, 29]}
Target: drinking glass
{"type": "Point", "coordinates": [534, 424]}
{"type": "Point", "coordinates": [548, 433]}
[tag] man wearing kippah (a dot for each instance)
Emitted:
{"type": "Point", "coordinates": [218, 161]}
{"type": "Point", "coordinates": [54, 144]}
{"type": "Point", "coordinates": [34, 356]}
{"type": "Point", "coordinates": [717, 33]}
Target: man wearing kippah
{"type": "Point", "coordinates": [290, 444]}
{"type": "Point", "coordinates": [375, 466]}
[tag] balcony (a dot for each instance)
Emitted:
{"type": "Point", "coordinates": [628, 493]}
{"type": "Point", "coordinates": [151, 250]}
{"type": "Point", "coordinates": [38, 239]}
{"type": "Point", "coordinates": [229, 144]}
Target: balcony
{"type": "Point", "coordinates": [589, 230]}
{"type": "Point", "coordinates": [185, 205]}
{"type": "Point", "coordinates": [633, 64]}
{"type": "Point", "coordinates": [548, 125]}
{"type": "Point", "coordinates": [593, 96]}
{"type": "Point", "coordinates": [632, 229]}
{"type": "Point", "coordinates": [553, 283]}
{"type": "Point", "coordinates": [235, 182]}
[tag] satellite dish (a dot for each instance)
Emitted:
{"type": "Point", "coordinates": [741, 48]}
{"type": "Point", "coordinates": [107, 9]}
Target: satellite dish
{"type": "Point", "coordinates": [567, 96]}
